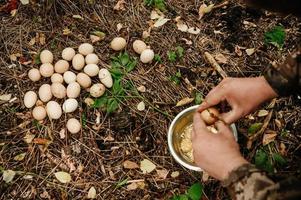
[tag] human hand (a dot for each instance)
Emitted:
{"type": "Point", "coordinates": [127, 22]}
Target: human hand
{"type": "Point", "coordinates": [242, 94]}
{"type": "Point", "coordinates": [217, 154]}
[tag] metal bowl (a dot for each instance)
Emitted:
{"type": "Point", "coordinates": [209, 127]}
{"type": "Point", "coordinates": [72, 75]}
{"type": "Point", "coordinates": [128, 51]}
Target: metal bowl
{"type": "Point", "coordinates": [181, 121]}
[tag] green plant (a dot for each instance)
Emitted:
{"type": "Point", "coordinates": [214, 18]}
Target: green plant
{"type": "Point", "coordinates": [176, 78]}
{"type": "Point", "coordinates": [84, 120]}
{"type": "Point", "coordinates": [159, 4]}
{"type": "Point", "coordinates": [195, 192]}
{"type": "Point", "coordinates": [268, 162]}
{"type": "Point", "coordinates": [198, 99]}
{"type": "Point", "coordinates": [276, 37]}
{"type": "Point", "coordinates": [157, 58]}
{"type": "Point", "coordinates": [174, 55]}
{"type": "Point", "coordinates": [254, 128]}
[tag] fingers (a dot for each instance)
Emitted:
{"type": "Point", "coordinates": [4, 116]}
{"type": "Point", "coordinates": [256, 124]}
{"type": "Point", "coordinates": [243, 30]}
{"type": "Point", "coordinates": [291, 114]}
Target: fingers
{"type": "Point", "coordinates": [214, 97]}
{"type": "Point", "coordinates": [232, 116]}
{"type": "Point", "coordinates": [198, 122]}
{"type": "Point", "coordinates": [223, 129]}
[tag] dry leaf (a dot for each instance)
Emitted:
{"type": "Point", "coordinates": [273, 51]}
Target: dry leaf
{"type": "Point", "coordinates": [237, 50]}
{"type": "Point", "coordinates": [194, 30]}
{"type": "Point", "coordinates": [66, 31]}
{"type": "Point", "coordinates": [13, 12]}
{"type": "Point", "coordinates": [94, 38]}
{"type": "Point", "coordinates": [188, 42]}
{"type": "Point", "coordinates": [156, 14]}
{"type": "Point", "coordinates": [63, 177]}
{"type": "Point", "coordinates": [282, 149]}
{"type": "Point", "coordinates": [247, 23]}
{"type": "Point", "coordinates": [100, 34]}
{"type": "Point", "coordinates": [130, 165]}
{"type": "Point", "coordinates": [162, 174]}
{"type": "Point", "coordinates": [175, 174]}
{"type": "Point", "coordinates": [268, 137]}
{"type": "Point", "coordinates": [160, 22]}
{"type": "Point", "coordinates": [42, 39]}
{"type": "Point", "coordinates": [89, 101]}
{"type": "Point", "coordinates": [184, 101]}
{"type": "Point", "coordinates": [221, 59]}
{"type": "Point", "coordinates": [181, 25]}
{"type": "Point", "coordinates": [250, 51]}
{"type": "Point", "coordinates": [28, 137]}
{"type": "Point", "coordinates": [77, 17]}
{"type": "Point", "coordinates": [132, 186]}
{"type": "Point", "coordinates": [8, 175]}
{"type": "Point", "coordinates": [62, 133]}
{"type": "Point", "coordinates": [92, 193]}
{"type": "Point", "coordinates": [205, 9]}
{"type": "Point", "coordinates": [119, 26]}
{"type": "Point", "coordinates": [205, 176]}
{"type": "Point", "coordinates": [24, 2]}
{"type": "Point", "coordinates": [141, 88]}
{"type": "Point", "coordinates": [119, 5]}
{"type": "Point", "coordinates": [218, 32]}
{"type": "Point", "coordinates": [32, 41]}
{"type": "Point", "coordinates": [5, 97]}
{"type": "Point", "coordinates": [45, 195]}
{"type": "Point", "coordinates": [41, 141]}
{"type": "Point", "coordinates": [147, 166]}
{"type": "Point", "coordinates": [141, 106]}
{"type": "Point", "coordinates": [20, 157]}
{"type": "Point", "coordinates": [262, 113]}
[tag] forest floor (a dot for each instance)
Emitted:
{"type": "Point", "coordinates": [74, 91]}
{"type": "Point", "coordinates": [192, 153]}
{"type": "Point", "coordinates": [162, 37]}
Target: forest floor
{"type": "Point", "coordinates": [95, 157]}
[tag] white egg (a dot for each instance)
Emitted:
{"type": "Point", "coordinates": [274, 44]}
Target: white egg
{"type": "Point", "coordinates": [78, 61]}
{"type": "Point", "coordinates": [91, 58]}
{"type": "Point", "coordinates": [53, 110]}
{"type": "Point", "coordinates": [105, 77]}
{"type": "Point", "coordinates": [46, 56]}
{"type": "Point", "coordinates": [85, 49]}
{"type": "Point", "coordinates": [57, 78]}
{"type": "Point", "coordinates": [69, 77]}
{"type": "Point", "coordinates": [46, 69]}
{"type": "Point", "coordinates": [45, 92]}
{"type": "Point", "coordinates": [84, 80]}
{"type": "Point", "coordinates": [73, 125]}
{"type": "Point", "coordinates": [30, 99]}
{"type": "Point", "coordinates": [139, 46]}
{"type": "Point", "coordinates": [61, 66]}
{"type": "Point", "coordinates": [39, 113]}
{"type": "Point", "coordinates": [73, 90]}
{"type": "Point", "coordinates": [34, 75]}
{"type": "Point", "coordinates": [70, 105]}
{"type": "Point", "coordinates": [118, 43]}
{"type": "Point", "coordinates": [58, 90]}
{"type": "Point", "coordinates": [97, 90]}
{"type": "Point", "coordinates": [91, 70]}
{"type": "Point", "coordinates": [147, 56]}
{"type": "Point", "coordinates": [68, 53]}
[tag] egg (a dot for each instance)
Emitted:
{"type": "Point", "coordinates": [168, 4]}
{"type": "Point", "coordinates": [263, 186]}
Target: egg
{"type": "Point", "coordinates": [58, 90]}
{"type": "Point", "coordinates": [78, 61]}
{"type": "Point", "coordinates": [147, 56]}
{"type": "Point", "coordinates": [105, 77]}
{"type": "Point", "coordinates": [30, 99]}
{"type": "Point", "coordinates": [68, 53]}
{"type": "Point", "coordinates": [46, 69]}
{"type": "Point", "coordinates": [210, 115]}
{"type": "Point", "coordinates": [45, 92]}
{"type": "Point", "coordinates": [39, 113]}
{"type": "Point", "coordinates": [69, 77]}
{"type": "Point", "coordinates": [46, 56]}
{"type": "Point", "coordinates": [139, 46]}
{"type": "Point", "coordinates": [118, 43]}
{"type": "Point", "coordinates": [73, 125]}
{"type": "Point", "coordinates": [53, 110]}
{"type": "Point", "coordinates": [84, 80]}
{"type": "Point", "coordinates": [91, 70]}
{"type": "Point", "coordinates": [73, 90]}
{"type": "Point", "coordinates": [91, 58]}
{"type": "Point", "coordinates": [34, 75]}
{"type": "Point", "coordinates": [61, 66]}
{"type": "Point", "coordinates": [57, 78]}
{"type": "Point", "coordinates": [70, 105]}
{"type": "Point", "coordinates": [85, 49]}
{"type": "Point", "coordinates": [97, 90]}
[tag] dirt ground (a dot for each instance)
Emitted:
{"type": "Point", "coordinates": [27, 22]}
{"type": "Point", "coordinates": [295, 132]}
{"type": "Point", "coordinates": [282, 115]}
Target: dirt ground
{"type": "Point", "coordinates": [98, 153]}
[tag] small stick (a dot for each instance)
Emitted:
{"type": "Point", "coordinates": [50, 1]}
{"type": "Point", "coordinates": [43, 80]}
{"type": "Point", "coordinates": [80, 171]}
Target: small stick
{"type": "Point", "coordinates": [215, 65]}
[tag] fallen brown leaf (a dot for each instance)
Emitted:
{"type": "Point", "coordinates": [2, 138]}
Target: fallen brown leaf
{"type": "Point", "coordinates": [184, 101]}
{"type": "Point", "coordinates": [130, 165]}
{"type": "Point", "coordinates": [119, 5]}
{"type": "Point", "coordinates": [221, 59]}
{"type": "Point", "coordinates": [268, 137]}
{"type": "Point", "coordinates": [162, 173]}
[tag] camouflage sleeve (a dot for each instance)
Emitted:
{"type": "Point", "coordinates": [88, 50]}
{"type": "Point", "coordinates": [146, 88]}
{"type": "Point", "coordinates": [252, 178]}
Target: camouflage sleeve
{"type": "Point", "coordinates": [285, 79]}
{"type": "Point", "coordinates": [249, 183]}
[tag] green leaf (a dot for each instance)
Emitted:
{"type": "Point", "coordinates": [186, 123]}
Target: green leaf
{"type": "Point", "coordinates": [131, 65]}
{"type": "Point", "coordinates": [172, 56]}
{"type": "Point", "coordinates": [112, 105]}
{"type": "Point", "coordinates": [279, 160]}
{"type": "Point", "coordinates": [254, 128]}
{"type": "Point", "coordinates": [160, 4]}
{"type": "Point", "coordinates": [178, 74]}
{"type": "Point", "coordinates": [117, 88]}
{"type": "Point", "coordinates": [122, 183]}
{"type": "Point", "coordinates": [157, 58]}
{"type": "Point", "coordinates": [124, 59]}
{"type": "Point", "coordinates": [180, 51]}
{"type": "Point", "coordinates": [276, 37]}
{"type": "Point", "coordinates": [100, 102]}
{"type": "Point", "coordinates": [84, 119]}
{"type": "Point", "coordinates": [37, 60]}
{"type": "Point", "coordinates": [260, 158]}
{"type": "Point", "coordinates": [198, 98]}
{"type": "Point", "coordinates": [195, 191]}
{"type": "Point", "coordinates": [100, 34]}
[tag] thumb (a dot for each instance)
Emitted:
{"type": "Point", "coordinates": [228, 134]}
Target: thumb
{"type": "Point", "coordinates": [224, 129]}
{"type": "Point", "coordinates": [230, 116]}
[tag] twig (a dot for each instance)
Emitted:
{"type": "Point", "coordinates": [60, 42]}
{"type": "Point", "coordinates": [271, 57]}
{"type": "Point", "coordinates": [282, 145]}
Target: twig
{"type": "Point", "coordinates": [215, 65]}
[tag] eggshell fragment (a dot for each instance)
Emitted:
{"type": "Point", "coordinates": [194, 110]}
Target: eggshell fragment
{"type": "Point", "coordinates": [58, 90]}
{"type": "Point", "coordinates": [91, 58]}
{"type": "Point", "coordinates": [84, 80]}
{"type": "Point", "coordinates": [73, 90]}
{"type": "Point", "coordinates": [91, 70]}
{"type": "Point", "coordinates": [73, 125]}
{"type": "Point", "coordinates": [105, 77]}
{"type": "Point", "coordinates": [147, 56]}
{"type": "Point", "coordinates": [118, 43]}
{"type": "Point", "coordinates": [139, 46]}
{"type": "Point", "coordinates": [57, 78]}
{"type": "Point", "coordinates": [78, 61]}
{"type": "Point", "coordinates": [97, 90]}
{"type": "Point", "coordinates": [70, 105]}
{"type": "Point", "coordinates": [34, 75]}
{"type": "Point", "coordinates": [61, 66]}
{"type": "Point", "coordinates": [210, 115]}
{"type": "Point", "coordinates": [69, 77]}
{"type": "Point", "coordinates": [46, 56]}
{"type": "Point", "coordinates": [30, 99]}
{"type": "Point", "coordinates": [46, 69]}
{"type": "Point", "coordinates": [45, 92]}
{"type": "Point", "coordinates": [39, 113]}
{"type": "Point", "coordinates": [68, 53]}
{"type": "Point", "coordinates": [85, 49]}
{"type": "Point", "coordinates": [53, 110]}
